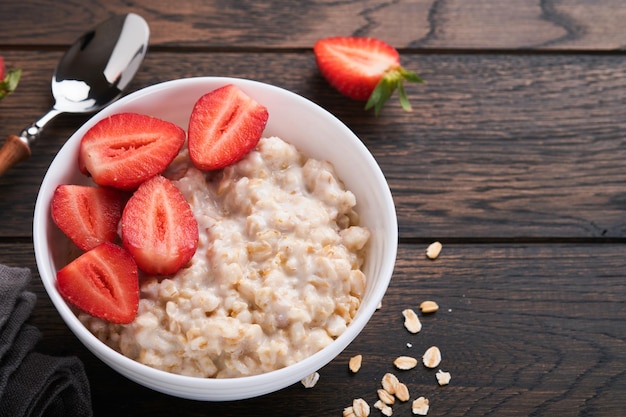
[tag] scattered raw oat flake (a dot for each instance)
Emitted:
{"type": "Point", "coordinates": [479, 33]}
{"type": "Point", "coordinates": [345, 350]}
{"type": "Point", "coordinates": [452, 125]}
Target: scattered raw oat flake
{"type": "Point", "coordinates": [384, 408]}
{"type": "Point", "coordinates": [402, 392]}
{"type": "Point", "coordinates": [429, 307]}
{"type": "Point", "coordinates": [355, 363]}
{"type": "Point", "coordinates": [432, 357]}
{"type": "Point", "coordinates": [420, 406]}
{"type": "Point", "coordinates": [360, 407]}
{"type": "Point", "coordinates": [411, 321]}
{"type": "Point", "coordinates": [393, 386]}
{"type": "Point", "coordinates": [433, 250]}
{"type": "Point", "coordinates": [385, 397]}
{"type": "Point", "coordinates": [389, 383]}
{"type": "Point", "coordinates": [443, 377]}
{"type": "Point", "coordinates": [405, 363]}
{"type": "Point", "coordinates": [311, 380]}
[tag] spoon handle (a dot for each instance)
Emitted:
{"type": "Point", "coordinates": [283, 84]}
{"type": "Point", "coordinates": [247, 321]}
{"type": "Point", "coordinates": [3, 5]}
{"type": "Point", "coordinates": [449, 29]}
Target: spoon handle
{"type": "Point", "coordinates": [14, 150]}
{"type": "Point", "coordinates": [17, 148]}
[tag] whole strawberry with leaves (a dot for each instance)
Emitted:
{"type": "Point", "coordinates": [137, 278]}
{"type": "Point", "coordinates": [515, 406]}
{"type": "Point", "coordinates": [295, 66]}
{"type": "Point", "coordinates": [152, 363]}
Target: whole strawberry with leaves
{"type": "Point", "coordinates": [8, 80]}
{"type": "Point", "coordinates": [364, 69]}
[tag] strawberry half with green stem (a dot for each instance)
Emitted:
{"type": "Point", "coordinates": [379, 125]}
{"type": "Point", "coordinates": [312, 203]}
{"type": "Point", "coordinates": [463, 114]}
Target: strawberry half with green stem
{"type": "Point", "coordinates": [87, 215]}
{"type": "Point", "coordinates": [159, 228]}
{"type": "Point", "coordinates": [224, 126]}
{"type": "Point", "coordinates": [8, 80]}
{"type": "Point", "coordinates": [364, 69]}
{"type": "Point", "coordinates": [103, 282]}
{"type": "Point", "coordinates": [126, 149]}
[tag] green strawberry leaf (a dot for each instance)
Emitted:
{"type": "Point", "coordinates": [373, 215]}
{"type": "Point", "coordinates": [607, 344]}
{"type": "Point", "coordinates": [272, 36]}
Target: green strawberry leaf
{"type": "Point", "coordinates": [9, 84]}
{"type": "Point", "coordinates": [404, 99]}
{"type": "Point", "coordinates": [410, 76]}
{"type": "Point", "coordinates": [383, 91]}
{"type": "Point", "coordinates": [392, 80]}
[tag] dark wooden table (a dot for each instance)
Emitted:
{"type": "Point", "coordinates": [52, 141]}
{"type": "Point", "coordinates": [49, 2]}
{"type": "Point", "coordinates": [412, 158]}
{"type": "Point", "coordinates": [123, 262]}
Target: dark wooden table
{"type": "Point", "coordinates": [514, 158]}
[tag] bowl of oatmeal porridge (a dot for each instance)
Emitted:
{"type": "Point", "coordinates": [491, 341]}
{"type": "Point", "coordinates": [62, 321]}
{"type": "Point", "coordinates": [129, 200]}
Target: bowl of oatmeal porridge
{"type": "Point", "coordinates": [297, 247]}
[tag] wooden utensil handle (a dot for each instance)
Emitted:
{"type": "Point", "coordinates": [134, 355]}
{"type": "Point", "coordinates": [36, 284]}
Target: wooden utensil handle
{"type": "Point", "coordinates": [13, 151]}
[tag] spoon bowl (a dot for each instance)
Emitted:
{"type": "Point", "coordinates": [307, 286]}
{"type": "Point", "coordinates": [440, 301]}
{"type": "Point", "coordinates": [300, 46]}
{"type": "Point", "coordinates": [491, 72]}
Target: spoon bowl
{"type": "Point", "coordinates": [92, 74]}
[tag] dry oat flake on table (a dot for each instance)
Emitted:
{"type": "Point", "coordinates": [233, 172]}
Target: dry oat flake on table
{"type": "Point", "coordinates": [411, 321]}
{"type": "Point", "coordinates": [405, 363]}
{"type": "Point", "coordinates": [432, 357]}
{"type": "Point", "coordinates": [433, 250]}
{"type": "Point", "coordinates": [443, 378]}
{"type": "Point", "coordinates": [355, 363]}
{"type": "Point", "coordinates": [384, 408]}
{"type": "Point", "coordinates": [311, 380]}
{"type": "Point", "coordinates": [428, 307]}
{"type": "Point", "coordinates": [359, 408]}
{"type": "Point", "coordinates": [420, 406]}
{"type": "Point", "coordinates": [392, 388]}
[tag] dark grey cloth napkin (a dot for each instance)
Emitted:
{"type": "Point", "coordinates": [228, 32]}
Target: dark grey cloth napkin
{"type": "Point", "coordinates": [33, 384]}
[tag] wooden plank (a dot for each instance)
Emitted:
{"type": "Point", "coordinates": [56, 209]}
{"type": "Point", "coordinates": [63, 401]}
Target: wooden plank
{"type": "Point", "coordinates": [423, 24]}
{"type": "Point", "coordinates": [523, 329]}
{"type": "Point", "coordinates": [516, 146]}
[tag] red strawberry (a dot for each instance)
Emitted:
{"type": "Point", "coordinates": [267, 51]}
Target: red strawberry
{"type": "Point", "coordinates": [87, 215]}
{"type": "Point", "coordinates": [363, 69]}
{"type": "Point", "coordinates": [224, 126]}
{"type": "Point", "coordinates": [8, 80]}
{"type": "Point", "coordinates": [102, 282]}
{"type": "Point", "coordinates": [126, 149]}
{"type": "Point", "coordinates": [158, 227]}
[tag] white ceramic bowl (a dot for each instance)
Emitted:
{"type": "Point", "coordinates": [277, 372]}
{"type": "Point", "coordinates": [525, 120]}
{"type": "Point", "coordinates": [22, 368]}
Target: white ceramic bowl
{"type": "Point", "coordinates": [297, 120]}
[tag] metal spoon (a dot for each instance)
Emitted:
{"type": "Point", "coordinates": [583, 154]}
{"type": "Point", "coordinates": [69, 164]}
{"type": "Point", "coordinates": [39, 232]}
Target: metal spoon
{"type": "Point", "coordinates": [90, 76]}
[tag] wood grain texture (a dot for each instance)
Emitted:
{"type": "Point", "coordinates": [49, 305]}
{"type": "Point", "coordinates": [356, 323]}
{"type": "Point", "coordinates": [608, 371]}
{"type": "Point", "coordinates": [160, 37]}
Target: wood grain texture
{"type": "Point", "coordinates": [523, 329]}
{"type": "Point", "coordinates": [512, 157]}
{"type": "Point", "coordinates": [497, 146]}
{"type": "Point", "coordinates": [422, 24]}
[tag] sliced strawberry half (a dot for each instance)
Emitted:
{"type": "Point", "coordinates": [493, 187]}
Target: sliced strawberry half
{"type": "Point", "coordinates": [159, 228]}
{"type": "Point", "coordinates": [363, 69]}
{"type": "Point", "coordinates": [224, 126]}
{"type": "Point", "coordinates": [87, 215]}
{"type": "Point", "coordinates": [103, 283]}
{"type": "Point", "coordinates": [126, 149]}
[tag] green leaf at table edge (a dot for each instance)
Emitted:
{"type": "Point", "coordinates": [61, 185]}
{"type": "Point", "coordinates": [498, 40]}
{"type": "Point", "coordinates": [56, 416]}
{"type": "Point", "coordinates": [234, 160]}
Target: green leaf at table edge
{"type": "Point", "coordinates": [9, 84]}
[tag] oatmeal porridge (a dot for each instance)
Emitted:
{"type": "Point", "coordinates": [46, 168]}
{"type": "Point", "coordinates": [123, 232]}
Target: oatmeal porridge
{"type": "Point", "coordinates": [276, 277]}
